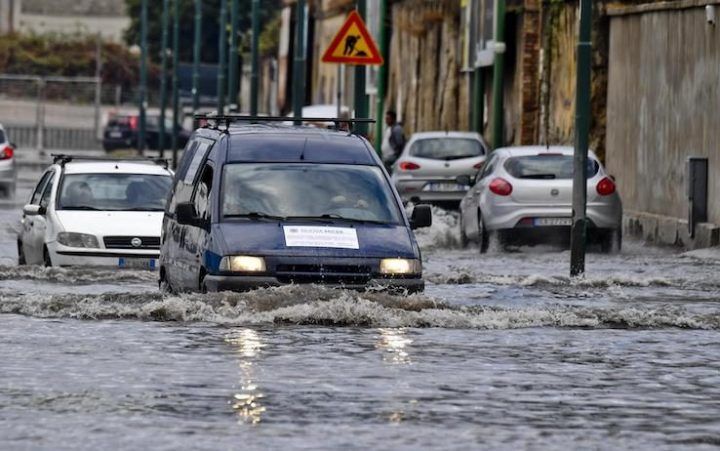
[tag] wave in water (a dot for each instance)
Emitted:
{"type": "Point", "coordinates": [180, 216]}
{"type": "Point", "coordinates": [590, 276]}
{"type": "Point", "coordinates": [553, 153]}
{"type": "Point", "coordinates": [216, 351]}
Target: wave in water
{"type": "Point", "coordinates": [77, 275]}
{"type": "Point", "coordinates": [312, 305]}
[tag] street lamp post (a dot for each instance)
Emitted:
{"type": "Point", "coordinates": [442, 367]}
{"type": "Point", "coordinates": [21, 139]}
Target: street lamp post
{"type": "Point", "coordinates": [143, 75]}
{"type": "Point", "coordinates": [196, 57]}
{"type": "Point", "coordinates": [498, 125]}
{"type": "Point", "coordinates": [361, 98]}
{"type": "Point", "coordinates": [222, 54]}
{"type": "Point", "coordinates": [578, 235]}
{"type": "Point", "coordinates": [298, 91]}
{"type": "Point", "coordinates": [233, 60]}
{"type": "Point", "coordinates": [255, 59]}
{"type": "Point", "coordinates": [175, 86]}
{"type": "Point", "coordinates": [163, 76]}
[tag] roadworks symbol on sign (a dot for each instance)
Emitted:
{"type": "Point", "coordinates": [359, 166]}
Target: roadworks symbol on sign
{"type": "Point", "coordinates": [353, 44]}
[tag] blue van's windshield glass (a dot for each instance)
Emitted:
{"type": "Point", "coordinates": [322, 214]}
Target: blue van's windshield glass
{"type": "Point", "coordinates": [114, 192]}
{"type": "Point", "coordinates": [309, 191]}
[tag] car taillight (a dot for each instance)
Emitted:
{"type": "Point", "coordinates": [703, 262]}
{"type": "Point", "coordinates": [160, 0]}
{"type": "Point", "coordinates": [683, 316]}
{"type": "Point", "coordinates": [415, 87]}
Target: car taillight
{"type": "Point", "coordinates": [479, 166]}
{"type": "Point", "coordinates": [501, 187]}
{"type": "Point", "coordinates": [605, 187]}
{"type": "Point", "coordinates": [6, 153]}
{"type": "Point", "coordinates": [409, 166]}
{"type": "Point", "coordinates": [134, 122]}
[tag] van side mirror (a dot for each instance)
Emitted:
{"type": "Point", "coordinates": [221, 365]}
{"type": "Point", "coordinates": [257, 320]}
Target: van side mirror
{"type": "Point", "coordinates": [421, 217]}
{"type": "Point", "coordinates": [33, 210]}
{"type": "Point", "coordinates": [185, 214]}
{"type": "Point", "coordinates": [465, 180]}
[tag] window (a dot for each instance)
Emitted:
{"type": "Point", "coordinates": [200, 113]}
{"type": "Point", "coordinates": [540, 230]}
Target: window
{"type": "Point", "coordinates": [340, 191]}
{"type": "Point", "coordinates": [489, 167]}
{"type": "Point", "coordinates": [39, 188]}
{"type": "Point", "coordinates": [447, 148]}
{"type": "Point", "coordinates": [546, 166]}
{"type": "Point", "coordinates": [201, 199]}
{"type": "Point", "coordinates": [45, 199]}
{"type": "Point", "coordinates": [187, 157]}
{"type": "Point", "coordinates": [114, 192]}
{"type": "Point", "coordinates": [196, 161]}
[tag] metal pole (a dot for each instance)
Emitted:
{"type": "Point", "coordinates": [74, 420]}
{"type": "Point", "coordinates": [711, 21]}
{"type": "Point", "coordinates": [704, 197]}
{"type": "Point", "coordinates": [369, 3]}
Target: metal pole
{"type": "Point", "coordinates": [233, 60]}
{"type": "Point", "coordinates": [382, 76]}
{"type": "Point", "coordinates": [143, 75]}
{"type": "Point", "coordinates": [196, 56]}
{"type": "Point", "coordinates": [578, 235]}
{"type": "Point", "coordinates": [338, 90]}
{"type": "Point", "coordinates": [98, 84]}
{"type": "Point", "coordinates": [298, 91]}
{"type": "Point", "coordinates": [222, 54]}
{"type": "Point", "coordinates": [175, 87]}
{"type": "Point", "coordinates": [40, 114]}
{"type": "Point", "coordinates": [361, 98]}
{"type": "Point", "coordinates": [163, 75]}
{"type": "Point", "coordinates": [478, 100]}
{"type": "Point", "coordinates": [498, 74]}
{"type": "Point", "coordinates": [255, 58]}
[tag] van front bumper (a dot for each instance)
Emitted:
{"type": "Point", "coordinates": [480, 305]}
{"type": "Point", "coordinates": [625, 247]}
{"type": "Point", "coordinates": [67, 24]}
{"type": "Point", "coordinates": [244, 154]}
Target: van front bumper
{"type": "Point", "coordinates": [245, 283]}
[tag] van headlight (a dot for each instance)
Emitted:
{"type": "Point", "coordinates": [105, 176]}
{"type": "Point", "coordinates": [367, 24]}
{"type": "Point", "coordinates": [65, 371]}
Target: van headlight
{"type": "Point", "coordinates": [242, 263]}
{"type": "Point", "coordinates": [400, 266]}
{"type": "Point", "coordinates": [73, 239]}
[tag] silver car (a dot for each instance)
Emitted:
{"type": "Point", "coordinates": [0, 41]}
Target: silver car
{"type": "Point", "coordinates": [8, 173]}
{"type": "Point", "coordinates": [525, 194]}
{"type": "Point", "coordinates": [428, 167]}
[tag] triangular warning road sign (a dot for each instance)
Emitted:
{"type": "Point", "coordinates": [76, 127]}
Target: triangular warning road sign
{"type": "Point", "coordinates": [353, 44]}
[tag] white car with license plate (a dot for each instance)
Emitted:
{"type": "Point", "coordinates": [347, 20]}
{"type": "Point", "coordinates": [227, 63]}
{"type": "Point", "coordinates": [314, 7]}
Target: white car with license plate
{"type": "Point", "coordinates": [96, 212]}
{"type": "Point", "coordinates": [524, 194]}
{"type": "Point", "coordinates": [430, 163]}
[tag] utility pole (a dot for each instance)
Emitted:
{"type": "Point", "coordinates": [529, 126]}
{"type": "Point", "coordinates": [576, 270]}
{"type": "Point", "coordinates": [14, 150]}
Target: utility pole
{"type": "Point", "coordinates": [382, 77]}
{"type": "Point", "coordinates": [163, 76]}
{"type": "Point", "coordinates": [498, 125]}
{"type": "Point", "coordinates": [361, 98]}
{"type": "Point", "coordinates": [298, 91]}
{"type": "Point", "coordinates": [98, 84]}
{"type": "Point", "coordinates": [233, 60]}
{"type": "Point", "coordinates": [196, 57]}
{"type": "Point", "coordinates": [578, 237]}
{"type": "Point", "coordinates": [175, 87]}
{"type": "Point", "coordinates": [143, 75]}
{"type": "Point", "coordinates": [222, 54]}
{"type": "Point", "coordinates": [478, 101]}
{"type": "Point", "coordinates": [255, 58]}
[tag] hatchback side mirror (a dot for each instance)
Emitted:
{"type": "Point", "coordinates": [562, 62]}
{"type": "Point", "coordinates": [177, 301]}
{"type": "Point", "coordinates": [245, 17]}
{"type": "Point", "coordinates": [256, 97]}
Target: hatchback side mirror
{"type": "Point", "coordinates": [421, 217]}
{"type": "Point", "coordinates": [33, 210]}
{"type": "Point", "coordinates": [465, 180]}
{"type": "Point", "coordinates": [185, 214]}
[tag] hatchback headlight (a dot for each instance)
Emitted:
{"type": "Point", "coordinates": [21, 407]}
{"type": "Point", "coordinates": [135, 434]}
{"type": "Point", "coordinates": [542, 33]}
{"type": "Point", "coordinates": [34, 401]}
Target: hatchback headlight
{"type": "Point", "coordinates": [72, 239]}
{"type": "Point", "coordinates": [400, 266]}
{"type": "Point", "coordinates": [242, 263]}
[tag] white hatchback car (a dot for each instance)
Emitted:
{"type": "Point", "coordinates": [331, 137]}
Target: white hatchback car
{"type": "Point", "coordinates": [96, 212]}
{"type": "Point", "coordinates": [8, 173]}
{"type": "Point", "coordinates": [427, 169]}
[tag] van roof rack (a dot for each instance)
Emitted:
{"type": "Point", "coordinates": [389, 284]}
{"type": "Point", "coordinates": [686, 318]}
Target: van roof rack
{"type": "Point", "coordinates": [228, 119]}
{"type": "Point", "coordinates": [62, 159]}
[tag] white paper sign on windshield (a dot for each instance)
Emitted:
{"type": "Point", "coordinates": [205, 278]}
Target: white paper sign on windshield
{"type": "Point", "coordinates": [314, 236]}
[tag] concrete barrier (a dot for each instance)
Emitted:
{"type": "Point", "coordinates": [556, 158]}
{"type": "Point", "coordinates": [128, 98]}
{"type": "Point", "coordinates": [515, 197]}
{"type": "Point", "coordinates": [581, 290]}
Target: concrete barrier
{"type": "Point", "coordinates": [670, 231]}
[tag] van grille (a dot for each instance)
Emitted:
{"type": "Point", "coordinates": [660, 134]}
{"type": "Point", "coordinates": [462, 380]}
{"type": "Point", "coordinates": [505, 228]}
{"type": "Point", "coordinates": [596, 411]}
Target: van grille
{"type": "Point", "coordinates": [125, 242]}
{"type": "Point", "coordinates": [324, 274]}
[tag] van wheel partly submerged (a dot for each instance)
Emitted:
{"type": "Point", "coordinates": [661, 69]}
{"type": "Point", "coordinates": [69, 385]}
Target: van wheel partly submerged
{"type": "Point", "coordinates": [163, 284]}
{"type": "Point", "coordinates": [21, 254]}
{"type": "Point", "coordinates": [46, 257]}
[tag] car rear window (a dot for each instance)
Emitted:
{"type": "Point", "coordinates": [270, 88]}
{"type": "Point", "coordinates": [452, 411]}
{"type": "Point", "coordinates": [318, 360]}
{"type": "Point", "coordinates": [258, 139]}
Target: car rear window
{"type": "Point", "coordinates": [546, 167]}
{"type": "Point", "coordinates": [446, 148]}
{"type": "Point", "coordinates": [2, 136]}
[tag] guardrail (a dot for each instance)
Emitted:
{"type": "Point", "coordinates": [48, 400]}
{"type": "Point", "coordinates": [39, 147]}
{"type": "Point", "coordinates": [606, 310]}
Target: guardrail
{"type": "Point", "coordinates": [52, 137]}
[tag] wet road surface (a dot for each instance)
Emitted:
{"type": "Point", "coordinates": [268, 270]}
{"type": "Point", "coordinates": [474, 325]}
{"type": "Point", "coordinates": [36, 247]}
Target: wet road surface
{"type": "Point", "coordinates": [503, 351]}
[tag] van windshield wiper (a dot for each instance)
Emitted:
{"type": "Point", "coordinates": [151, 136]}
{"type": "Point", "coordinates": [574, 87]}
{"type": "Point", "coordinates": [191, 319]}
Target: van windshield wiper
{"type": "Point", "coordinates": [142, 209]}
{"type": "Point", "coordinates": [256, 215]}
{"type": "Point", "coordinates": [332, 216]}
{"type": "Point", "coordinates": [81, 207]}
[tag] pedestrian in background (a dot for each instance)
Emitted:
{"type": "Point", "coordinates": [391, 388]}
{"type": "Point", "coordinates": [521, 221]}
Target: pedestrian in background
{"type": "Point", "coordinates": [393, 140]}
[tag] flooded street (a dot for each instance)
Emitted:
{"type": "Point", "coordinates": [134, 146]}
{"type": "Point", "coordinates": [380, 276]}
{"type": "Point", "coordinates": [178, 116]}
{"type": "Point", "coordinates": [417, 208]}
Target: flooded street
{"type": "Point", "coordinates": [503, 351]}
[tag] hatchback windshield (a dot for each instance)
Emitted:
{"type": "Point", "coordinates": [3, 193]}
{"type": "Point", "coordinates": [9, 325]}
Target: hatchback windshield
{"type": "Point", "coordinates": [546, 167]}
{"type": "Point", "coordinates": [446, 148]}
{"type": "Point", "coordinates": [334, 191]}
{"type": "Point", "coordinates": [114, 192]}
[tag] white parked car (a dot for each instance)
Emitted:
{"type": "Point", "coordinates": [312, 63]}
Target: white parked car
{"type": "Point", "coordinates": [427, 169]}
{"type": "Point", "coordinates": [8, 172]}
{"type": "Point", "coordinates": [95, 212]}
{"type": "Point", "coordinates": [525, 194]}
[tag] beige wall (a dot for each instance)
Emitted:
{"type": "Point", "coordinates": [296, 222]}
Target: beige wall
{"type": "Point", "coordinates": [663, 106]}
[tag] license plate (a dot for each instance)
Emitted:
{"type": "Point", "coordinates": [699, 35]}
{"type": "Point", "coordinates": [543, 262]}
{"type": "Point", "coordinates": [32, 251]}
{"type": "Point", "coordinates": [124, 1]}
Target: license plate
{"type": "Point", "coordinates": [445, 187]}
{"type": "Point", "coordinates": [116, 134]}
{"type": "Point", "coordinates": [552, 221]}
{"type": "Point", "coordinates": [137, 263]}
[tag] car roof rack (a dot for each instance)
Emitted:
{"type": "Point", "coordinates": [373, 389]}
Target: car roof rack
{"type": "Point", "coordinates": [62, 159]}
{"type": "Point", "coordinates": [228, 119]}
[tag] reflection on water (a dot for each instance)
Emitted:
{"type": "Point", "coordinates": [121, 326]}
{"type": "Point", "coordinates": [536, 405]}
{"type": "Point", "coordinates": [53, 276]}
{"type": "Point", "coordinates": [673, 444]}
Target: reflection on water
{"type": "Point", "coordinates": [394, 343]}
{"type": "Point", "coordinates": [247, 402]}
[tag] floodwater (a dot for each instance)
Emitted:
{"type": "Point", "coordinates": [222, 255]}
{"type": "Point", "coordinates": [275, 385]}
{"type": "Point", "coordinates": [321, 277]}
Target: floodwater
{"type": "Point", "coordinates": [503, 351]}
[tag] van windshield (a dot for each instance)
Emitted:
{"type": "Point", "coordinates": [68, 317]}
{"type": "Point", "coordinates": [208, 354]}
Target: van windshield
{"type": "Point", "coordinates": [307, 191]}
{"type": "Point", "coordinates": [114, 192]}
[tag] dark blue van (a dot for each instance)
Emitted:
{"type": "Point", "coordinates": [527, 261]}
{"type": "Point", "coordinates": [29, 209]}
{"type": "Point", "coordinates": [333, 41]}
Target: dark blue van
{"type": "Point", "coordinates": [266, 204]}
